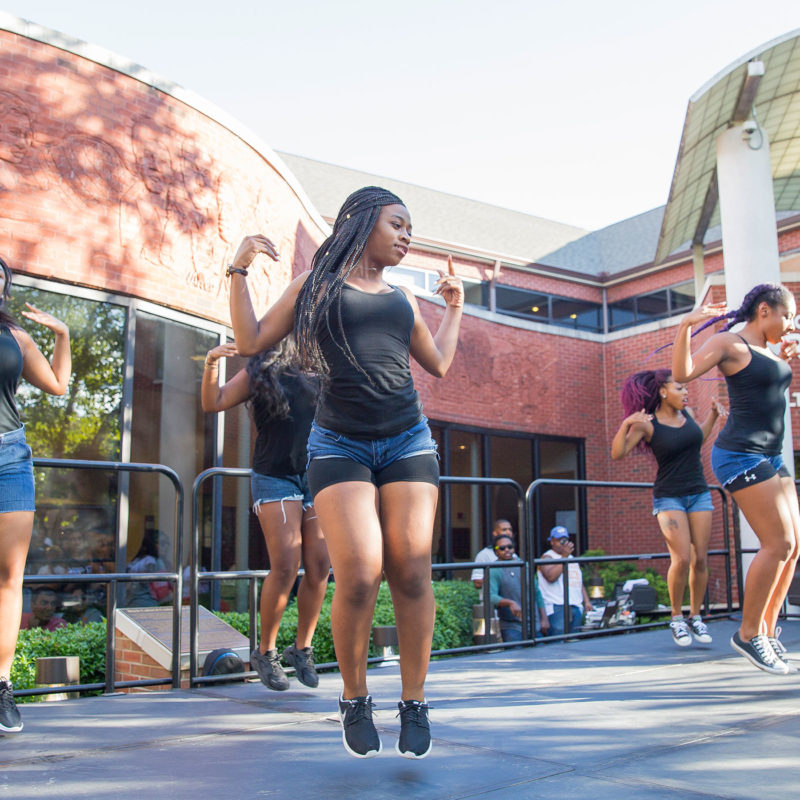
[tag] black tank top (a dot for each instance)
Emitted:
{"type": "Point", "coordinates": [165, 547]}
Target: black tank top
{"type": "Point", "coordinates": [757, 396]}
{"type": "Point", "coordinates": [677, 452]}
{"type": "Point", "coordinates": [280, 447]}
{"type": "Point", "coordinates": [10, 371]}
{"type": "Point", "coordinates": [378, 331]}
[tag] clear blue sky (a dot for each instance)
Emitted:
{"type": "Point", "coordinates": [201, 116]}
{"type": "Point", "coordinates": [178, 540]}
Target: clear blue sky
{"type": "Point", "coordinates": [570, 110]}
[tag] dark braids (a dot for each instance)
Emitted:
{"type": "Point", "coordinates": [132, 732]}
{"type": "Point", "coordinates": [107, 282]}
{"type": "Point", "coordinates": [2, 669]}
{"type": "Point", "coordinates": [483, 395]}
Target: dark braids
{"type": "Point", "coordinates": [773, 294]}
{"type": "Point", "coordinates": [265, 370]}
{"type": "Point", "coordinates": [332, 264]}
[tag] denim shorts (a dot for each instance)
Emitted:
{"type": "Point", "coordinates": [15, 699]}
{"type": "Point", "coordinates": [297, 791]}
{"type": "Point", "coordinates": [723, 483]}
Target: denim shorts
{"type": "Point", "coordinates": [685, 502]}
{"type": "Point", "coordinates": [16, 473]}
{"type": "Point", "coordinates": [380, 460]}
{"type": "Point", "coordinates": [271, 489]}
{"type": "Point", "coordinates": [728, 465]}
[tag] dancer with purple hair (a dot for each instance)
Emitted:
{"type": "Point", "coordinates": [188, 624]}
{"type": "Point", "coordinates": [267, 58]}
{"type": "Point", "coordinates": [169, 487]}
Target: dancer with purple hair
{"type": "Point", "coordinates": [746, 457]}
{"type": "Point", "coordinates": [659, 421]}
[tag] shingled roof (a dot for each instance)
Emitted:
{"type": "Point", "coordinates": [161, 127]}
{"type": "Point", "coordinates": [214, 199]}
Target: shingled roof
{"type": "Point", "coordinates": [443, 217]}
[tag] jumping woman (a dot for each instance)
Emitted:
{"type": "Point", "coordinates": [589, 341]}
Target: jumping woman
{"type": "Point", "coordinates": [746, 457]}
{"type": "Point", "coordinates": [659, 420]}
{"type": "Point", "coordinates": [19, 356]}
{"type": "Point", "coordinates": [373, 468]}
{"type": "Point", "coordinates": [283, 400]}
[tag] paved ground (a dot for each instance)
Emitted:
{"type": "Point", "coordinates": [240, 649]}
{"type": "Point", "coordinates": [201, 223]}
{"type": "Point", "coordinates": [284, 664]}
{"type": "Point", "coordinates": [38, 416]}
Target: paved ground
{"type": "Point", "coordinates": [629, 716]}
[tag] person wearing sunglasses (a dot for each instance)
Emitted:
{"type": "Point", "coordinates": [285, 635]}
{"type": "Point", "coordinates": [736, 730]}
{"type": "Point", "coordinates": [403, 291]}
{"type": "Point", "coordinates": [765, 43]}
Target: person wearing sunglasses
{"type": "Point", "coordinates": [505, 587]}
{"type": "Point", "coordinates": [552, 585]}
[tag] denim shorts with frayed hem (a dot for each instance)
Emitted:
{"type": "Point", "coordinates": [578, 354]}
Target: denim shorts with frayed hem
{"type": "Point", "coordinates": [273, 489]}
{"type": "Point", "coordinates": [16, 473]}
{"type": "Point", "coordinates": [686, 502]}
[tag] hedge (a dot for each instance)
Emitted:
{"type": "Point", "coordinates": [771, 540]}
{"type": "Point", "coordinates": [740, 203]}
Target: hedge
{"type": "Point", "coordinates": [454, 600]}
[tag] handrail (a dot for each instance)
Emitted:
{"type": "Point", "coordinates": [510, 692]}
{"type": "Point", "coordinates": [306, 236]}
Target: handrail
{"type": "Point", "coordinates": [111, 579]}
{"type": "Point", "coordinates": [536, 485]}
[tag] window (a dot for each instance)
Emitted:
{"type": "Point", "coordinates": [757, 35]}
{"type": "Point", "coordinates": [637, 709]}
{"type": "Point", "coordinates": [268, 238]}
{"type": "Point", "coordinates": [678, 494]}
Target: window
{"type": "Point", "coordinates": [651, 306]}
{"type": "Point", "coordinates": [576, 314]}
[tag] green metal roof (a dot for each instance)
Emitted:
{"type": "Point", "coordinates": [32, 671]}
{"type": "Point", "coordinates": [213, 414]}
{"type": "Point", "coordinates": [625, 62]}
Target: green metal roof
{"type": "Point", "coordinates": [728, 98]}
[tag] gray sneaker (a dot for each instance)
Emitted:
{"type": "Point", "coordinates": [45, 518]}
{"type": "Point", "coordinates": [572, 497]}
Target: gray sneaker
{"type": "Point", "coordinates": [699, 630]}
{"type": "Point", "coordinates": [759, 652]}
{"type": "Point", "coordinates": [269, 669]}
{"type": "Point", "coordinates": [780, 651]}
{"type": "Point", "coordinates": [680, 632]}
{"type": "Point", "coordinates": [303, 663]}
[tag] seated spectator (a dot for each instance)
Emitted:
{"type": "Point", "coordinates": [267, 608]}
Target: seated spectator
{"type": "Point", "coordinates": [487, 554]}
{"type": "Point", "coordinates": [142, 594]}
{"type": "Point", "coordinates": [75, 607]}
{"type": "Point", "coordinates": [505, 590]}
{"type": "Point", "coordinates": [44, 604]}
{"type": "Point", "coordinates": [552, 585]}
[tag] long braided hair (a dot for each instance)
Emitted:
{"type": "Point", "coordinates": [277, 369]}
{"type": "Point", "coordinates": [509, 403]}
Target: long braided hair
{"type": "Point", "coordinates": [640, 391]}
{"type": "Point", "coordinates": [336, 258]}
{"type": "Point", "coordinates": [5, 317]}
{"type": "Point", "coordinates": [773, 294]}
{"type": "Point", "coordinates": [265, 370]}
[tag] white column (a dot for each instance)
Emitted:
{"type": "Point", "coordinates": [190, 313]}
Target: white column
{"type": "Point", "coordinates": [749, 237]}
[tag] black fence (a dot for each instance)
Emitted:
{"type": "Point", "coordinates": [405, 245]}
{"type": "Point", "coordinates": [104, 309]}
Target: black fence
{"type": "Point", "coordinates": [526, 500]}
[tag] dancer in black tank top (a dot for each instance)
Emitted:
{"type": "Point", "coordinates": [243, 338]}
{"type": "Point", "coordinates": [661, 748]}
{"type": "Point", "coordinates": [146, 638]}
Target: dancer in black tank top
{"type": "Point", "coordinates": [659, 420]}
{"type": "Point", "coordinates": [373, 469]}
{"type": "Point", "coordinates": [19, 357]}
{"type": "Point", "coordinates": [746, 456]}
{"type": "Point", "coordinates": [283, 400]}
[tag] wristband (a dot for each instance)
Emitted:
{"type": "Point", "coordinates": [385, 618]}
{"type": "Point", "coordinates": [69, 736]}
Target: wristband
{"type": "Point", "coordinates": [231, 269]}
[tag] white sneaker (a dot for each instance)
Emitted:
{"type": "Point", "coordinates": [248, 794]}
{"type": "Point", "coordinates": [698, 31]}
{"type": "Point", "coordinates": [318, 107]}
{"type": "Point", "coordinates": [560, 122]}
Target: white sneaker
{"type": "Point", "coordinates": [680, 632]}
{"type": "Point", "coordinates": [780, 651]}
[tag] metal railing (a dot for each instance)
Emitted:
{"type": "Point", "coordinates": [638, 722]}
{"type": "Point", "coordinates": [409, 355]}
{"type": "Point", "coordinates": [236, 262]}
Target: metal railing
{"type": "Point", "coordinates": [112, 579]}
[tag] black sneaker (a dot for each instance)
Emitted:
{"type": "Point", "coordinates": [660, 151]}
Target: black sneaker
{"type": "Point", "coordinates": [358, 731]}
{"type": "Point", "coordinates": [759, 652]}
{"type": "Point", "coordinates": [415, 729]}
{"type": "Point", "coordinates": [269, 669]}
{"type": "Point", "coordinates": [10, 720]}
{"type": "Point", "coordinates": [699, 630]}
{"type": "Point", "coordinates": [303, 663]}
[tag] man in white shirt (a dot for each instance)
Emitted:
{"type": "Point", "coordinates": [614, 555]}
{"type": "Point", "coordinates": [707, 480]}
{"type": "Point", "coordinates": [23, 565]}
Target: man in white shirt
{"type": "Point", "coordinates": [552, 585]}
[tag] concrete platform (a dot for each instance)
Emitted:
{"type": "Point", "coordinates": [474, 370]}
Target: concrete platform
{"type": "Point", "coordinates": [622, 717]}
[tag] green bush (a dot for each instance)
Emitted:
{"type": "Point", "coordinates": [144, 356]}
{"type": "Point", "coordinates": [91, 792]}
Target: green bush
{"type": "Point", "coordinates": [453, 628]}
{"type": "Point", "coordinates": [614, 572]}
{"type": "Point", "coordinates": [88, 642]}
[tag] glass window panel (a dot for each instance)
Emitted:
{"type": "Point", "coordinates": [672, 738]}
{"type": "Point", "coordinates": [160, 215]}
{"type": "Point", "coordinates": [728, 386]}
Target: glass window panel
{"type": "Point", "coordinates": [75, 510]}
{"type": "Point", "coordinates": [681, 297]}
{"type": "Point", "coordinates": [476, 292]}
{"type": "Point", "coordinates": [466, 500]}
{"type": "Point", "coordinates": [571, 313]}
{"type": "Point", "coordinates": [403, 276]}
{"type": "Point", "coordinates": [651, 306]}
{"type": "Point", "coordinates": [622, 313]}
{"type": "Point", "coordinates": [509, 457]}
{"type": "Point", "coordinates": [522, 302]}
{"type": "Point", "coordinates": [169, 427]}
{"type": "Point", "coordinates": [558, 505]}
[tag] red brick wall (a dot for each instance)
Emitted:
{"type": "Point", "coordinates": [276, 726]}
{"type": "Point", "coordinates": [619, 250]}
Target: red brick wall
{"type": "Point", "coordinates": [109, 183]}
{"type": "Point", "coordinates": [133, 664]}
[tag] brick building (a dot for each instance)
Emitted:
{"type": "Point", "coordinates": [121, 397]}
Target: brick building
{"type": "Point", "coordinates": [123, 197]}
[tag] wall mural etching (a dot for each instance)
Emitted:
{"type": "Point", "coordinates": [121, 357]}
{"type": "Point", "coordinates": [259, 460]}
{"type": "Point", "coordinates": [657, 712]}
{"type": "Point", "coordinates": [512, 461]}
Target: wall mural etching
{"type": "Point", "coordinates": [161, 190]}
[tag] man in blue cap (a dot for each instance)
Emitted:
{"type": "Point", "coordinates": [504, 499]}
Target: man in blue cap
{"type": "Point", "coordinates": [552, 584]}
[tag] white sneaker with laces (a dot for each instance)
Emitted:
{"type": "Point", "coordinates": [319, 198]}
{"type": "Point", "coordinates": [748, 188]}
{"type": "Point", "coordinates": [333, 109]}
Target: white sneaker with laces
{"type": "Point", "coordinates": [680, 632]}
{"type": "Point", "coordinates": [699, 630]}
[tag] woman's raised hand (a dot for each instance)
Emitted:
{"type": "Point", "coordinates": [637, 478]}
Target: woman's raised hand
{"type": "Point", "coordinates": [705, 313]}
{"type": "Point", "coordinates": [43, 318]}
{"type": "Point", "coordinates": [250, 247]}
{"type": "Point", "coordinates": [226, 350]}
{"type": "Point", "coordinates": [788, 348]}
{"type": "Point", "coordinates": [450, 287]}
{"type": "Point", "coordinates": [720, 409]}
{"type": "Point", "coordinates": [641, 417]}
